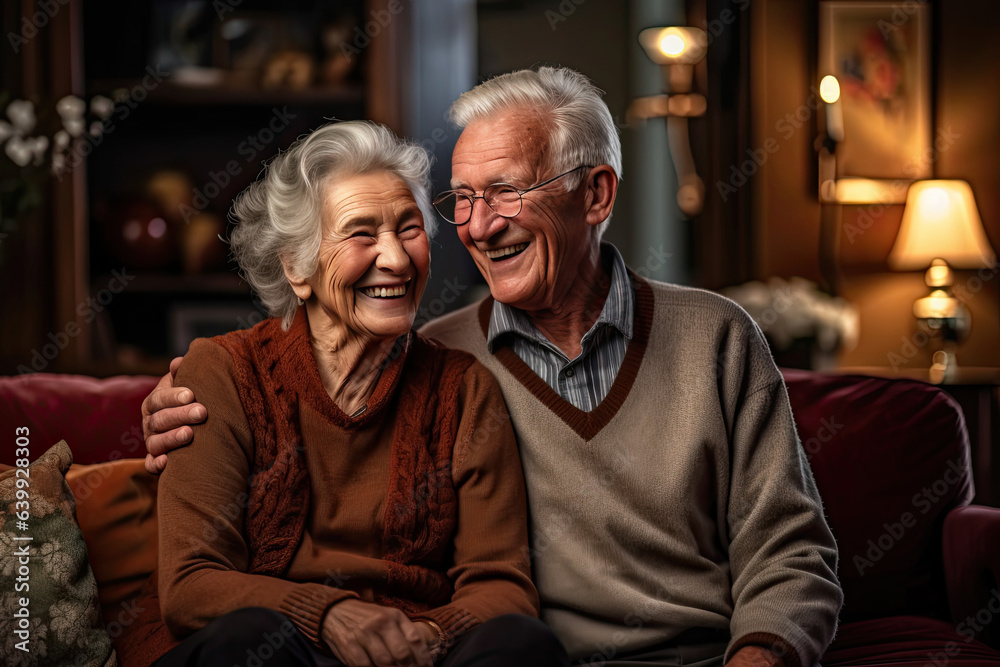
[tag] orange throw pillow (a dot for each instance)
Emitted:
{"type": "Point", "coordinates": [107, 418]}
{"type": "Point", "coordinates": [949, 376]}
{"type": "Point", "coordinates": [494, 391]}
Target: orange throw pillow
{"type": "Point", "coordinates": [116, 510]}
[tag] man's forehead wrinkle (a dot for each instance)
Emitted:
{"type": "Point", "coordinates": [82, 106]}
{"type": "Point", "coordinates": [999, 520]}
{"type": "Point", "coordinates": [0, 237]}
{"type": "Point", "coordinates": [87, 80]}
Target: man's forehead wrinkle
{"type": "Point", "coordinates": [538, 141]}
{"type": "Point", "coordinates": [511, 146]}
{"type": "Point", "coordinates": [532, 138]}
{"type": "Point", "coordinates": [533, 145]}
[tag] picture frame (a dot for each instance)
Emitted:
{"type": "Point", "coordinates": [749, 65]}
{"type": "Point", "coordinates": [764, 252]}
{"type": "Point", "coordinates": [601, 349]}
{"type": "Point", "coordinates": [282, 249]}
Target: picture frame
{"type": "Point", "coordinates": [880, 54]}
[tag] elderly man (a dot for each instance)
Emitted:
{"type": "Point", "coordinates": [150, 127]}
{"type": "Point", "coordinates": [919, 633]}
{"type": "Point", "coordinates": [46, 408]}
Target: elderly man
{"type": "Point", "coordinates": [675, 519]}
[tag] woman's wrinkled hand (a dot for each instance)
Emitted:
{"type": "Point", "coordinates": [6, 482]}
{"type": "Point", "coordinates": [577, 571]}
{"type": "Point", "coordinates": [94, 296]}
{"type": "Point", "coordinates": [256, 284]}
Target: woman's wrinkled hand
{"type": "Point", "coordinates": [364, 634]}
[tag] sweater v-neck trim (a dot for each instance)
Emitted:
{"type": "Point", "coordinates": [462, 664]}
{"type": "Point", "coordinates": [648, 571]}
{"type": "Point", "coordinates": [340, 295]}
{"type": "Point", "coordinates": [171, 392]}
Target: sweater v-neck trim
{"type": "Point", "coordinates": [585, 424]}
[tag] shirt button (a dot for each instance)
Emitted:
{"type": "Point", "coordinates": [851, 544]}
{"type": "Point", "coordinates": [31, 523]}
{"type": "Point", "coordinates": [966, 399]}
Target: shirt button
{"type": "Point", "coordinates": [569, 373]}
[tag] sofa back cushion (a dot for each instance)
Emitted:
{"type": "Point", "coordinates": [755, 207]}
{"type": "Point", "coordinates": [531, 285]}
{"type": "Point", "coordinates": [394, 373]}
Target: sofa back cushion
{"type": "Point", "coordinates": [99, 417]}
{"type": "Point", "coordinates": [891, 459]}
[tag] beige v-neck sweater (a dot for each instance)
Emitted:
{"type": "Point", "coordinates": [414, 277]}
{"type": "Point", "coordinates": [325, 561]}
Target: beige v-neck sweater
{"type": "Point", "coordinates": [684, 500]}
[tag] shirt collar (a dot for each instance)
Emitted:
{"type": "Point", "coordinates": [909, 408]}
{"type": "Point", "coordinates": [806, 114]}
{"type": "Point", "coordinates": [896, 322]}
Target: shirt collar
{"type": "Point", "coordinates": [618, 310]}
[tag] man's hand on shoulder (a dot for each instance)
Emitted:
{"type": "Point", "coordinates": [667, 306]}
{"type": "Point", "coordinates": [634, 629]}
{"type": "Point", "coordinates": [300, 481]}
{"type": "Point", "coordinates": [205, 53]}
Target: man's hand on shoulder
{"type": "Point", "coordinates": [166, 415]}
{"type": "Point", "coordinates": [755, 656]}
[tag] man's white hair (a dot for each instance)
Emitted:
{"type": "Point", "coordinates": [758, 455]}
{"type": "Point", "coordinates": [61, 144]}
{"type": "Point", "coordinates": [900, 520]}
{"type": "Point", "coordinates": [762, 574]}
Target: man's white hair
{"type": "Point", "coordinates": [582, 131]}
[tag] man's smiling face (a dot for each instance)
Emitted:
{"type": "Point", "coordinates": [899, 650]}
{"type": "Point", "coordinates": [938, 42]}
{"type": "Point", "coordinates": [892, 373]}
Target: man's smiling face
{"type": "Point", "coordinates": [530, 260]}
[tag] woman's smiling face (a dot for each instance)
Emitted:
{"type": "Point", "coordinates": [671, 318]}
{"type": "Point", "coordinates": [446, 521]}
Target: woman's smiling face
{"type": "Point", "coordinates": [374, 258]}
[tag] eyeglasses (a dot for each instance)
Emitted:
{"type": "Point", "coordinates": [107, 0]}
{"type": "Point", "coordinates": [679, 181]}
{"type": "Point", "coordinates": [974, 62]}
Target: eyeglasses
{"type": "Point", "coordinates": [504, 199]}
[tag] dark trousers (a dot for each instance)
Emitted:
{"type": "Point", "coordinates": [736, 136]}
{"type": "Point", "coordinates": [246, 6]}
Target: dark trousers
{"type": "Point", "coordinates": [697, 647]}
{"type": "Point", "coordinates": [258, 637]}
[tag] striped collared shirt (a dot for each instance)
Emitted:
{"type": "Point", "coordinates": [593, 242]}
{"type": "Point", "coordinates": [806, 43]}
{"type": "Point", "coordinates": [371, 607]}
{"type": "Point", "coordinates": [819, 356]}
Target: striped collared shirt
{"type": "Point", "coordinates": [586, 380]}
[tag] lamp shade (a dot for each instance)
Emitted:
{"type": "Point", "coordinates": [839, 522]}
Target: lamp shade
{"type": "Point", "coordinates": [940, 221]}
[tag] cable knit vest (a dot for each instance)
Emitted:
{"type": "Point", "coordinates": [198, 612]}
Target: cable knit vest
{"type": "Point", "coordinates": [274, 371]}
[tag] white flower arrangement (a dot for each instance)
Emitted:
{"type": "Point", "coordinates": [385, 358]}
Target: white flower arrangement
{"type": "Point", "coordinates": [795, 309]}
{"type": "Point", "coordinates": [25, 150]}
{"type": "Point", "coordinates": [37, 147]}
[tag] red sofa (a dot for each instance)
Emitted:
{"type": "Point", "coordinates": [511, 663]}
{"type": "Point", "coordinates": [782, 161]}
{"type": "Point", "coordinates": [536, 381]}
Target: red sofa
{"type": "Point", "coordinates": [918, 563]}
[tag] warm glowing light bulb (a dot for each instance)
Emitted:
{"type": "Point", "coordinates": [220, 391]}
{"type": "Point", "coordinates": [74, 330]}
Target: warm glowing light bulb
{"type": "Point", "coordinates": [934, 202]}
{"type": "Point", "coordinates": [829, 89]}
{"type": "Point", "coordinates": [672, 45]}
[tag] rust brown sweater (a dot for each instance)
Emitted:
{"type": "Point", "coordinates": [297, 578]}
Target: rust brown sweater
{"type": "Point", "coordinates": [442, 537]}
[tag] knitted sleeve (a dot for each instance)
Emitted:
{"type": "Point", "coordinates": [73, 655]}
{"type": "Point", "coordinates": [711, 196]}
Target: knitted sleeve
{"type": "Point", "coordinates": [202, 496]}
{"type": "Point", "coordinates": [491, 570]}
{"type": "Point", "coordinates": [783, 556]}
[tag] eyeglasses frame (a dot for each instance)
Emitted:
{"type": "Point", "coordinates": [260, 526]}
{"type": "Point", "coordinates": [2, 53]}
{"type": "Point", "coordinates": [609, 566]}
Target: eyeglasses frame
{"type": "Point", "coordinates": [520, 196]}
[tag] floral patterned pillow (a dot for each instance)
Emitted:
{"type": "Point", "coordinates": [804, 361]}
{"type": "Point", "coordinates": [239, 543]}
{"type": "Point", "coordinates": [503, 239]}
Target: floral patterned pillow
{"type": "Point", "coordinates": [49, 611]}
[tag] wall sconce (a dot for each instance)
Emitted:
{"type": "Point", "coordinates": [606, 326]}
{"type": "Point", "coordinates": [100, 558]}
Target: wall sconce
{"type": "Point", "coordinates": [676, 49]}
{"type": "Point", "coordinates": [941, 229]}
{"type": "Point", "coordinates": [829, 92]}
{"type": "Point", "coordinates": [834, 189]}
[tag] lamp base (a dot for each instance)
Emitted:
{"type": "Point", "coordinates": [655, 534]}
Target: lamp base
{"type": "Point", "coordinates": [947, 332]}
{"type": "Point", "coordinates": [945, 317]}
{"type": "Point", "coordinates": [943, 366]}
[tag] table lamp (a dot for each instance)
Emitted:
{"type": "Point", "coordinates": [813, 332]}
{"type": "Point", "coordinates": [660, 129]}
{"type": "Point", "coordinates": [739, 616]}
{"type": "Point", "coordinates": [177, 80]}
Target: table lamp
{"type": "Point", "coordinates": [941, 229]}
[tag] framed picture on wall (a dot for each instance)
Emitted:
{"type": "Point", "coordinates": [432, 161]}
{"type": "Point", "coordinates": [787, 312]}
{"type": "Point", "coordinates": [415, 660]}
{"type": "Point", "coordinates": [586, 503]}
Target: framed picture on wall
{"type": "Point", "coordinates": [880, 54]}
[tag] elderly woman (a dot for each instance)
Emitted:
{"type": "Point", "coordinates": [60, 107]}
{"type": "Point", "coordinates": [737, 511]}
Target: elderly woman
{"type": "Point", "coordinates": [356, 495]}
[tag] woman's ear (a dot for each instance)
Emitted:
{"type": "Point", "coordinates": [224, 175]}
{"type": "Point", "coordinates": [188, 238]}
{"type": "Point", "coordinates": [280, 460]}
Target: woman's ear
{"type": "Point", "coordinates": [602, 187]}
{"type": "Point", "coordinates": [300, 286]}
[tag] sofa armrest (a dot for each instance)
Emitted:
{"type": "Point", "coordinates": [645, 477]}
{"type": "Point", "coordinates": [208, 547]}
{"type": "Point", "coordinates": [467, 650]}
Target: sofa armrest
{"type": "Point", "coordinates": [972, 571]}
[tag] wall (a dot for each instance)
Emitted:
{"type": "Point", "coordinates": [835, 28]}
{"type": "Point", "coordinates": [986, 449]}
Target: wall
{"type": "Point", "coordinates": [787, 214]}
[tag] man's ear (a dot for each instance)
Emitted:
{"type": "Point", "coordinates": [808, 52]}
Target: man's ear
{"type": "Point", "coordinates": [602, 187]}
{"type": "Point", "coordinates": [300, 286]}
